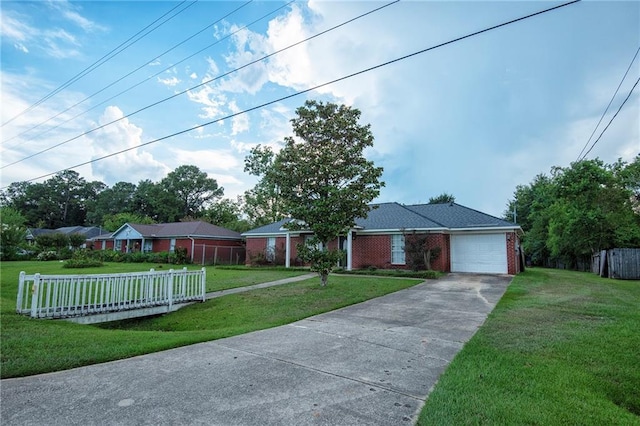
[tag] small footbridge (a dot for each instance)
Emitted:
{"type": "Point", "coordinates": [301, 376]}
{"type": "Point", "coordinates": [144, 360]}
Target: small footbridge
{"type": "Point", "coordinates": [98, 298]}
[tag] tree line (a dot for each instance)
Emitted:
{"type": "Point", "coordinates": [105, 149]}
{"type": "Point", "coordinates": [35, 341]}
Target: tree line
{"type": "Point", "coordinates": [577, 211]}
{"type": "Point", "coordinates": [67, 199]}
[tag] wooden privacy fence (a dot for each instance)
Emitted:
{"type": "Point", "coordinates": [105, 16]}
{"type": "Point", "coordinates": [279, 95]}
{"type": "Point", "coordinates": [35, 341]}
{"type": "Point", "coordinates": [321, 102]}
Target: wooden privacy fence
{"type": "Point", "coordinates": [109, 296]}
{"type": "Point", "coordinates": [621, 263]}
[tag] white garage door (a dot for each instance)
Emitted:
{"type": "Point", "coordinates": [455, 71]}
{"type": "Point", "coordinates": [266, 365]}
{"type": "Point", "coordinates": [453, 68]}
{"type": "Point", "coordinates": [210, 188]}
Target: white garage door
{"type": "Point", "coordinates": [483, 253]}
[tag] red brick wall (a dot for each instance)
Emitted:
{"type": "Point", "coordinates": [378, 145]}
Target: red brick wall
{"type": "Point", "coordinates": [259, 245]}
{"type": "Point", "coordinates": [443, 262]}
{"type": "Point", "coordinates": [372, 250]}
{"type": "Point", "coordinates": [513, 263]}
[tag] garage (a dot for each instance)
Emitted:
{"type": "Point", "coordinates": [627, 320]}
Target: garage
{"type": "Point", "coordinates": [480, 253]}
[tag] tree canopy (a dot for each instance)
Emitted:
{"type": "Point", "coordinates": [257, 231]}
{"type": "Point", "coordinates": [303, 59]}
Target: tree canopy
{"type": "Point", "coordinates": [579, 210]}
{"type": "Point", "coordinates": [324, 180]}
{"type": "Point", "coordinates": [67, 199]}
{"type": "Point", "coordinates": [262, 203]}
{"type": "Point", "coordinates": [442, 198]}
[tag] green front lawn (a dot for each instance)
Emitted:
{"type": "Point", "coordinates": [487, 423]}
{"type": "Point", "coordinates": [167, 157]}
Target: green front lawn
{"type": "Point", "coordinates": [31, 346]}
{"type": "Point", "coordinates": [560, 348]}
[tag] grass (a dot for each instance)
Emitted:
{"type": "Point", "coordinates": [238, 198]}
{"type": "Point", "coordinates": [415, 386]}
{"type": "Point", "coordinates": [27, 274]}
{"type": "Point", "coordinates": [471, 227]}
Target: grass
{"type": "Point", "coordinates": [39, 346]}
{"type": "Point", "coordinates": [560, 348]}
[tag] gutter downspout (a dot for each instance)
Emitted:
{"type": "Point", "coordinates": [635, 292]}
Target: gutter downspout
{"type": "Point", "coordinates": [193, 246]}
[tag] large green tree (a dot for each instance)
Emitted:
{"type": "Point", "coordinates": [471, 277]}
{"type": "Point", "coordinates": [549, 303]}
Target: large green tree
{"type": "Point", "coordinates": [192, 188]}
{"type": "Point", "coordinates": [110, 201]}
{"type": "Point", "coordinates": [578, 210]}
{"type": "Point", "coordinates": [262, 204]}
{"type": "Point", "coordinates": [228, 214]}
{"type": "Point", "coordinates": [324, 179]}
{"type": "Point", "coordinates": [12, 232]}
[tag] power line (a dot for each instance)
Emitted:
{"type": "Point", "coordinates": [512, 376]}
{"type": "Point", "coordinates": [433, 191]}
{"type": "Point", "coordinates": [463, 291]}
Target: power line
{"type": "Point", "coordinates": [152, 76]}
{"type": "Point", "coordinates": [315, 88]}
{"type": "Point", "coordinates": [114, 52]}
{"type": "Point", "coordinates": [131, 72]}
{"type": "Point", "coordinates": [610, 121]}
{"type": "Point", "coordinates": [201, 84]}
{"type": "Point", "coordinates": [607, 108]}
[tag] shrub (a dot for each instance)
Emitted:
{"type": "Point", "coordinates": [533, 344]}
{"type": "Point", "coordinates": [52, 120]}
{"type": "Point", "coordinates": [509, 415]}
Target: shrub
{"type": "Point", "coordinates": [83, 258]}
{"type": "Point", "coordinates": [47, 255]}
{"type": "Point", "coordinates": [258, 259]}
{"type": "Point", "coordinates": [180, 256]}
{"type": "Point", "coordinates": [82, 263]}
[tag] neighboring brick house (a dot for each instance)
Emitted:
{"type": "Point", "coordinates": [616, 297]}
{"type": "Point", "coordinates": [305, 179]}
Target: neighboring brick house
{"type": "Point", "coordinates": [88, 232]}
{"type": "Point", "coordinates": [468, 240]}
{"type": "Point", "coordinates": [205, 243]}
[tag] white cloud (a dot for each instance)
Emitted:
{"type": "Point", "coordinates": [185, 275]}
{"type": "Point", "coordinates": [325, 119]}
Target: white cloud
{"type": "Point", "coordinates": [56, 42]}
{"type": "Point", "coordinates": [170, 82]}
{"type": "Point", "coordinates": [21, 47]}
{"type": "Point", "coordinates": [239, 123]}
{"type": "Point", "coordinates": [131, 166]}
{"type": "Point", "coordinates": [193, 76]}
{"type": "Point", "coordinates": [155, 63]}
{"type": "Point", "coordinates": [81, 21]}
{"type": "Point", "coordinates": [13, 27]}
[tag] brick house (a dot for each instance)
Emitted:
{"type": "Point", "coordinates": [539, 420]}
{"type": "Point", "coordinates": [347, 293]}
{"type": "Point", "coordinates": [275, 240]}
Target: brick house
{"type": "Point", "coordinates": [467, 240]}
{"type": "Point", "coordinates": [204, 242]}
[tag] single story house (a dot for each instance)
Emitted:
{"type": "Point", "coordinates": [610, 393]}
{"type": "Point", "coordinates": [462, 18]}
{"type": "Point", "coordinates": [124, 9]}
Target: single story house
{"type": "Point", "coordinates": [467, 240]}
{"type": "Point", "coordinates": [89, 232]}
{"type": "Point", "coordinates": [203, 241]}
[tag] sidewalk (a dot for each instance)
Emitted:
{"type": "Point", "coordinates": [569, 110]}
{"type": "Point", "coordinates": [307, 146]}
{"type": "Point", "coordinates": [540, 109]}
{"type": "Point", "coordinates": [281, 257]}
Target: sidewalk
{"type": "Point", "coordinates": [221, 293]}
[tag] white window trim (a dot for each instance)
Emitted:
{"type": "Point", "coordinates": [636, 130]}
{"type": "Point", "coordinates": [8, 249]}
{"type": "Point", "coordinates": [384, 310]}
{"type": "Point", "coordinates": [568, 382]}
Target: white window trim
{"type": "Point", "coordinates": [270, 252]}
{"type": "Point", "coordinates": [397, 251]}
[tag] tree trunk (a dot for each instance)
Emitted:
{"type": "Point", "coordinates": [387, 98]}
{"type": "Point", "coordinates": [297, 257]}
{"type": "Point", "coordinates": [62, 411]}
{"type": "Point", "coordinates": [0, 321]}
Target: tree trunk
{"type": "Point", "coordinates": [323, 279]}
{"type": "Point", "coordinates": [427, 259]}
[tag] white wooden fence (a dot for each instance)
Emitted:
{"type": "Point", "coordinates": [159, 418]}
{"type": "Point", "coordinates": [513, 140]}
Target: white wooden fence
{"type": "Point", "coordinates": [70, 296]}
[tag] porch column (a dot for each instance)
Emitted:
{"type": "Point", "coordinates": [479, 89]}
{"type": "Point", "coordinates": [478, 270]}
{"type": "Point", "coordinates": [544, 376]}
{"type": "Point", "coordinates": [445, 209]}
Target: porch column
{"type": "Point", "coordinates": [349, 249]}
{"type": "Point", "coordinates": [287, 260]}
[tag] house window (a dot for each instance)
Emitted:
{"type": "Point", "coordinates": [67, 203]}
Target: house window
{"type": "Point", "coordinates": [397, 249]}
{"type": "Point", "coordinates": [271, 249]}
{"type": "Point", "coordinates": [307, 237]}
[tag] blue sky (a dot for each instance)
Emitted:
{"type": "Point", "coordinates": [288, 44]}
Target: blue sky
{"type": "Point", "coordinates": [475, 118]}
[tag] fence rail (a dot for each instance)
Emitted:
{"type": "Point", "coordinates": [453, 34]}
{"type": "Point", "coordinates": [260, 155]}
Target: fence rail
{"type": "Point", "coordinates": [216, 255]}
{"type": "Point", "coordinates": [67, 296]}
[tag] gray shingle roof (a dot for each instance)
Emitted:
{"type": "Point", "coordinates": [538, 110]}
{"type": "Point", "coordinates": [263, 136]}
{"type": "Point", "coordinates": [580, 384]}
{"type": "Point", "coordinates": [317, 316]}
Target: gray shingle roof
{"type": "Point", "coordinates": [183, 229]}
{"type": "Point", "coordinates": [394, 216]}
{"type": "Point", "coordinates": [455, 216]}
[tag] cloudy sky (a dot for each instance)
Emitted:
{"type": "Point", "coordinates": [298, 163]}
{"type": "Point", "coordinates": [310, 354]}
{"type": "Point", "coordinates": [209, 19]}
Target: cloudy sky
{"type": "Point", "coordinates": [474, 118]}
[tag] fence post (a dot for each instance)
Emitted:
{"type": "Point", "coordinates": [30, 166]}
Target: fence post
{"type": "Point", "coordinates": [20, 292]}
{"type": "Point", "coordinates": [35, 293]}
{"type": "Point", "coordinates": [170, 289]}
{"type": "Point", "coordinates": [183, 283]}
{"type": "Point", "coordinates": [203, 283]}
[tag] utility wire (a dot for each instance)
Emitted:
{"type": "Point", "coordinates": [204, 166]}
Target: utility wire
{"type": "Point", "coordinates": [610, 121]}
{"type": "Point", "coordinates": [201, 84]}
{"type": "Point", "coordinates": [607, 108]}
{"type": "Point", "coordinates": [114, 52]}
{"type": "Point", "coordinates": [148, 78]}
{"type": "Point", "coordinates": [313, 88]}
{"type": "Point", "coordinates": [131, 72]}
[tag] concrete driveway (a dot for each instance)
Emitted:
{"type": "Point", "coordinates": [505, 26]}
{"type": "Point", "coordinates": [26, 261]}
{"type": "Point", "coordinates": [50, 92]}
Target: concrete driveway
{"type": "Point", "coordinates": [369, 364]}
